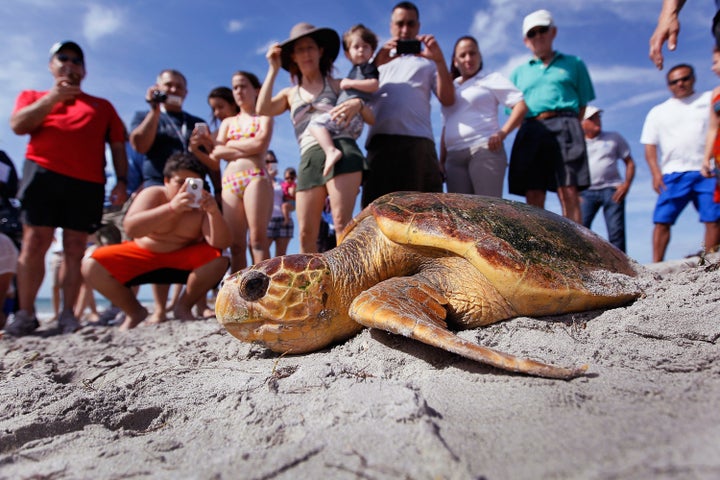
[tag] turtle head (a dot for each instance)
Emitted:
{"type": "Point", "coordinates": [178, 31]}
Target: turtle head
{"type": "Point", "coordinates": [286, 303]}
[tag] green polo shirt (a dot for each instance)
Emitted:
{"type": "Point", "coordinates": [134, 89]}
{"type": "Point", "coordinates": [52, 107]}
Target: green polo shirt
{"type": "Point", "coordinates": [563, 85]}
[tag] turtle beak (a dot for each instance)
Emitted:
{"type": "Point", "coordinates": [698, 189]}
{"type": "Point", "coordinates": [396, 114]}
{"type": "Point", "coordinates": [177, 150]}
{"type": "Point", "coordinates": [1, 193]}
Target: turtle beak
{"type": "Point", "coordinates": [230, 305]}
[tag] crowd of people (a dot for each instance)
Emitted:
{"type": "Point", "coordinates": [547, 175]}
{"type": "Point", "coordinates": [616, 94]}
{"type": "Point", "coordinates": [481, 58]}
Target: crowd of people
{"type": "Point", "coordinates": [198, 191]}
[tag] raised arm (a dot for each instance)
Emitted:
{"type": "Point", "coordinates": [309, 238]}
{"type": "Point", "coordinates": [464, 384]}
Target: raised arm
{"type": "Point", "coordinates": [143, 136]}
{"type": "Point", "coordinates": [266, 103]}
{"type": "Point", "coordinates": [445, 88]}
{"type": "Point", "coordinates": [30, 117]}
{"type": "Point", "coordinates": [667, 29]}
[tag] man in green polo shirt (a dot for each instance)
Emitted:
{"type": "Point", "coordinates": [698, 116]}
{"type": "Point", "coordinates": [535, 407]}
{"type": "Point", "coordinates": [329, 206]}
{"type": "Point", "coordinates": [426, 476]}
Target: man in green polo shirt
{"type": "Point", "coordinates": [549, 149]}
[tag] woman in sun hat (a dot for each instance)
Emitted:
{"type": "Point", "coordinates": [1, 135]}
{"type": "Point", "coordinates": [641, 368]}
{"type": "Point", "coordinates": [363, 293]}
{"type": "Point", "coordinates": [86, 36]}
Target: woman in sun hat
{"type": "Point", "coordinates": [308, 54]}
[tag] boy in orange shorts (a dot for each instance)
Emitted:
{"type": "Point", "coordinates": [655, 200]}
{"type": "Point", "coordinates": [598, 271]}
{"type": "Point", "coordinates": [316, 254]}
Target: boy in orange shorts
{"type": "Point", "coordinates": [168, 233]}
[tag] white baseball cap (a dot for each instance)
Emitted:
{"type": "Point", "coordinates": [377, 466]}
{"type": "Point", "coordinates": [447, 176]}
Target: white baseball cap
{"type": "Point", "coordinates": [538, 18]}
{"type": "Point", "coordinates": [591, 110]}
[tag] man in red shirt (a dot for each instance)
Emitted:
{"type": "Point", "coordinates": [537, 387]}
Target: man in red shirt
{"type": "Point", "coordinates": [63, 179]}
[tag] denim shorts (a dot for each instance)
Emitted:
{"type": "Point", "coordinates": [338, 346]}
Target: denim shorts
{"type": "Point", "coordinates": [683, 188]}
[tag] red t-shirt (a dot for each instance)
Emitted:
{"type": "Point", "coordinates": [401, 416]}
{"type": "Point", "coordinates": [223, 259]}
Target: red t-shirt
{"type": "Point", "coordinates": [71, 140]}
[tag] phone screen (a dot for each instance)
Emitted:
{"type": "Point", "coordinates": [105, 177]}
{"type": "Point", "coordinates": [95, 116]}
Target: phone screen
{"type": "Point", "coordinates": [408, 46]}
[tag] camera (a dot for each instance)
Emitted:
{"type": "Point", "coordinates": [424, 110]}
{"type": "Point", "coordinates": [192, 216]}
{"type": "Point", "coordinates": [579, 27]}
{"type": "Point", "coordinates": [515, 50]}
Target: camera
{"type": "Point", "coordinates": [195, 188]}
{"type": "Point", "coordinates": [408, 46]}
{"type": "Point", "coordinates": [158, 97]}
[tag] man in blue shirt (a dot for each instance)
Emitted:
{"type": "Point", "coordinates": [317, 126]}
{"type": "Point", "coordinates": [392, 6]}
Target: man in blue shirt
{"type": "Point", "coordinates": [549, 149]}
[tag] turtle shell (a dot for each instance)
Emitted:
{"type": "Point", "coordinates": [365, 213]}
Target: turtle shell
{"type": "Point", "coordinates": [538, 261]}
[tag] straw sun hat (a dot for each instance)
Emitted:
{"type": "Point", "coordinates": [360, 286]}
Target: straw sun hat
{"type": "Point", "coordinates": [326, 38]}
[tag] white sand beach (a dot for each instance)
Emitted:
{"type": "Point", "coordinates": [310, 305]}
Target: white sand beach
{"type": "Point", "coordinates": [187, 400]}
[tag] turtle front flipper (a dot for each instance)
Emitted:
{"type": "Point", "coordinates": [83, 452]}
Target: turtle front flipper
{"type": "Point", "coordinates": [412, 307]}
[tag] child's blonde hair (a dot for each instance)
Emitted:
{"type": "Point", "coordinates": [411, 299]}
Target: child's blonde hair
{"type": "Point", "coordinates": [367, 35]}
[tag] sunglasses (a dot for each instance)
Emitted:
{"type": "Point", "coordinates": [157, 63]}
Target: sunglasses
{"type": "Point", "coordinates": [271, 161]}
{"type": "Point", "coordinates": [681, 79]}
{"type": "Point", "coordinates": [66, 58]}
{"type": "Point", "coordinates": [536, 31]}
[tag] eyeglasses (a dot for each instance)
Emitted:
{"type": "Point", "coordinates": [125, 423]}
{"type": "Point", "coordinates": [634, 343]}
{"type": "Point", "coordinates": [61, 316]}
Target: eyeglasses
{"type": "Point", "coordinates": [66, 58]}
{"type": "Point", "coordinates": [536, 31]}
{"type": "Point", "coordinates": [686, 78]}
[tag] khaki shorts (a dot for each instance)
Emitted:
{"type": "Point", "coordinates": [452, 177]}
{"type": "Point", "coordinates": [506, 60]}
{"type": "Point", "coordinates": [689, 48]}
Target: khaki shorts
{"type": "Point", "coordinates": [313, 159]}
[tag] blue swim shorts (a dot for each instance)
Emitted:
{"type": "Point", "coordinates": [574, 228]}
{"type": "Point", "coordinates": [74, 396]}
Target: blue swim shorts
{"type": "Point", "coordinates": [683, 188]}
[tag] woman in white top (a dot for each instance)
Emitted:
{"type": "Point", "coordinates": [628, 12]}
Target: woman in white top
{"type": "Point", "coordinates": [472, 155]}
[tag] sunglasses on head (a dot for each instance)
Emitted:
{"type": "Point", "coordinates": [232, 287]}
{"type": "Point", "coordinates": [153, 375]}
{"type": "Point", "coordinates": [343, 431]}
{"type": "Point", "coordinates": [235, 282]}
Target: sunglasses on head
{"type": "Point", "coordinates": [686, 78]}
{"type": "Point", "coordinates": [66, 58]}
{"type": "Point", "coordinates": [535, 31]}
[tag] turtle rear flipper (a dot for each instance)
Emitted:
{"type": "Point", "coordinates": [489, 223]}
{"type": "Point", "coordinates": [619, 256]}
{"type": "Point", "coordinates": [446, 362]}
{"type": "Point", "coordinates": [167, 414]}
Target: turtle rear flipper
{"type": "Point", "coordinates": [412, 307]}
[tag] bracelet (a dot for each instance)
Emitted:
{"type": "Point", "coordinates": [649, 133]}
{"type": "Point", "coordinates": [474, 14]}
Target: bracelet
{"type": "Point", "coordinates": [121, 178]}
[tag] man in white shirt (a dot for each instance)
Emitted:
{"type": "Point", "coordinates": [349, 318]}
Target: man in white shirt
{"type": "Point", "coordinates": [674, 138]}
{"type": "Point", "coordinates": [607, 188]}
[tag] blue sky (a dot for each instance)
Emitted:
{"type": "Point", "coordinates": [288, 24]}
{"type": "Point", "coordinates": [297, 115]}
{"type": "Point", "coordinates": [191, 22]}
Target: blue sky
{"type": "Point", "coordinates": [127, 42]}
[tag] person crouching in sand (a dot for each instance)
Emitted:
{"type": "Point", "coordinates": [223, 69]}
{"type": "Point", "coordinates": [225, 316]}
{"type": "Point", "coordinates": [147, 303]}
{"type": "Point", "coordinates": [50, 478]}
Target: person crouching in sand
{"type": "Point", "coordinates": [168, 233]}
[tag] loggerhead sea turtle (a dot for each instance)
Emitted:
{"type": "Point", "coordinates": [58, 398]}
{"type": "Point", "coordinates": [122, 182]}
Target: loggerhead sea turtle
{"type": "Point", "coordinates": [416, 263]}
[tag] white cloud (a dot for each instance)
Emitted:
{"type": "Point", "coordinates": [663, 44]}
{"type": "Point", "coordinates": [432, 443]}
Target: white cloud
{"type": "Point", "coordinates": [101, 21]}
{"type": "Point", "coordinates": [651, 97]}
{"type": "Point", "coordinates": [512, 63]}
{"type": "Point", "coordinates": [235, 26]}
{"type": "Point", "coordinates": [623, 74]}
{"type": "Point", "coordinates": [263, 49]}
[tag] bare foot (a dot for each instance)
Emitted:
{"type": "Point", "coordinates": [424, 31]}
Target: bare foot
{"type": "Point", "coordinates": [206, 313]}
{"type": "Point", "coordinates": [133, 320]}
{"type": "Point", "coordinates": [183, 312]}
{"type": "Point", "coordinates": [332, 156]}
{"type": "Point", "coordinates": [91, 317]}
{"type": "Point", "coordinates": [157, 317]}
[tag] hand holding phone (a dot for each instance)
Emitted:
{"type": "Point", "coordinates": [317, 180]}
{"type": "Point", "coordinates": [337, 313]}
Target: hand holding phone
{"type": "Point", "coordinates": [195, 188]}
{"type": "Point", "coordinates": [408, 47]}
{"type": "Point", "coordinates": [202, 128]}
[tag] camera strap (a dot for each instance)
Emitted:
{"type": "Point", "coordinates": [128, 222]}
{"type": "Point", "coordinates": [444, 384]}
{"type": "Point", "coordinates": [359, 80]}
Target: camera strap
{"type": "Point", "coordinates": [181, 132]}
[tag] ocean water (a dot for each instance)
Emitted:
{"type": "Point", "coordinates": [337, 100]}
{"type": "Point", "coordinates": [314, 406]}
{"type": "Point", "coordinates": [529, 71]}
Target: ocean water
{"type": "Point", "coordinates": [44, 309]}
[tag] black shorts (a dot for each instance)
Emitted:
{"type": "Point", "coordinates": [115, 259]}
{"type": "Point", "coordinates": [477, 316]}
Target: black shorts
{"type": "Point", "coordinates": [53, 200]}
{"type": "Point", "coordinates": [548, 154]}
{"type": "Point", "coordinates": [400, 163]}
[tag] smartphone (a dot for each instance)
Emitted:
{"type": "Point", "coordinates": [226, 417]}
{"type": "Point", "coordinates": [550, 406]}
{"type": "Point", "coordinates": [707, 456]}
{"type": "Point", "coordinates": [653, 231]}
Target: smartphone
{"type": "Point", "coordinates": [195, 188]}
{"type": "Point", "coordinates": [408, 46]}
{"type": "Point", "coordinates": [202, 128]}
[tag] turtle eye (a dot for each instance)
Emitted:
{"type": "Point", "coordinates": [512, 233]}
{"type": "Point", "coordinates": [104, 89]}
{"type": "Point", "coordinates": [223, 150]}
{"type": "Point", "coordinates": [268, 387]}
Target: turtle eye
{"type": "Point", "coordinates": [254, 285]}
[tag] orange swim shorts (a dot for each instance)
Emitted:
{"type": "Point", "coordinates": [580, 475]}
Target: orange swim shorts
{"type": "Point", "coordinates": [127, 260]}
